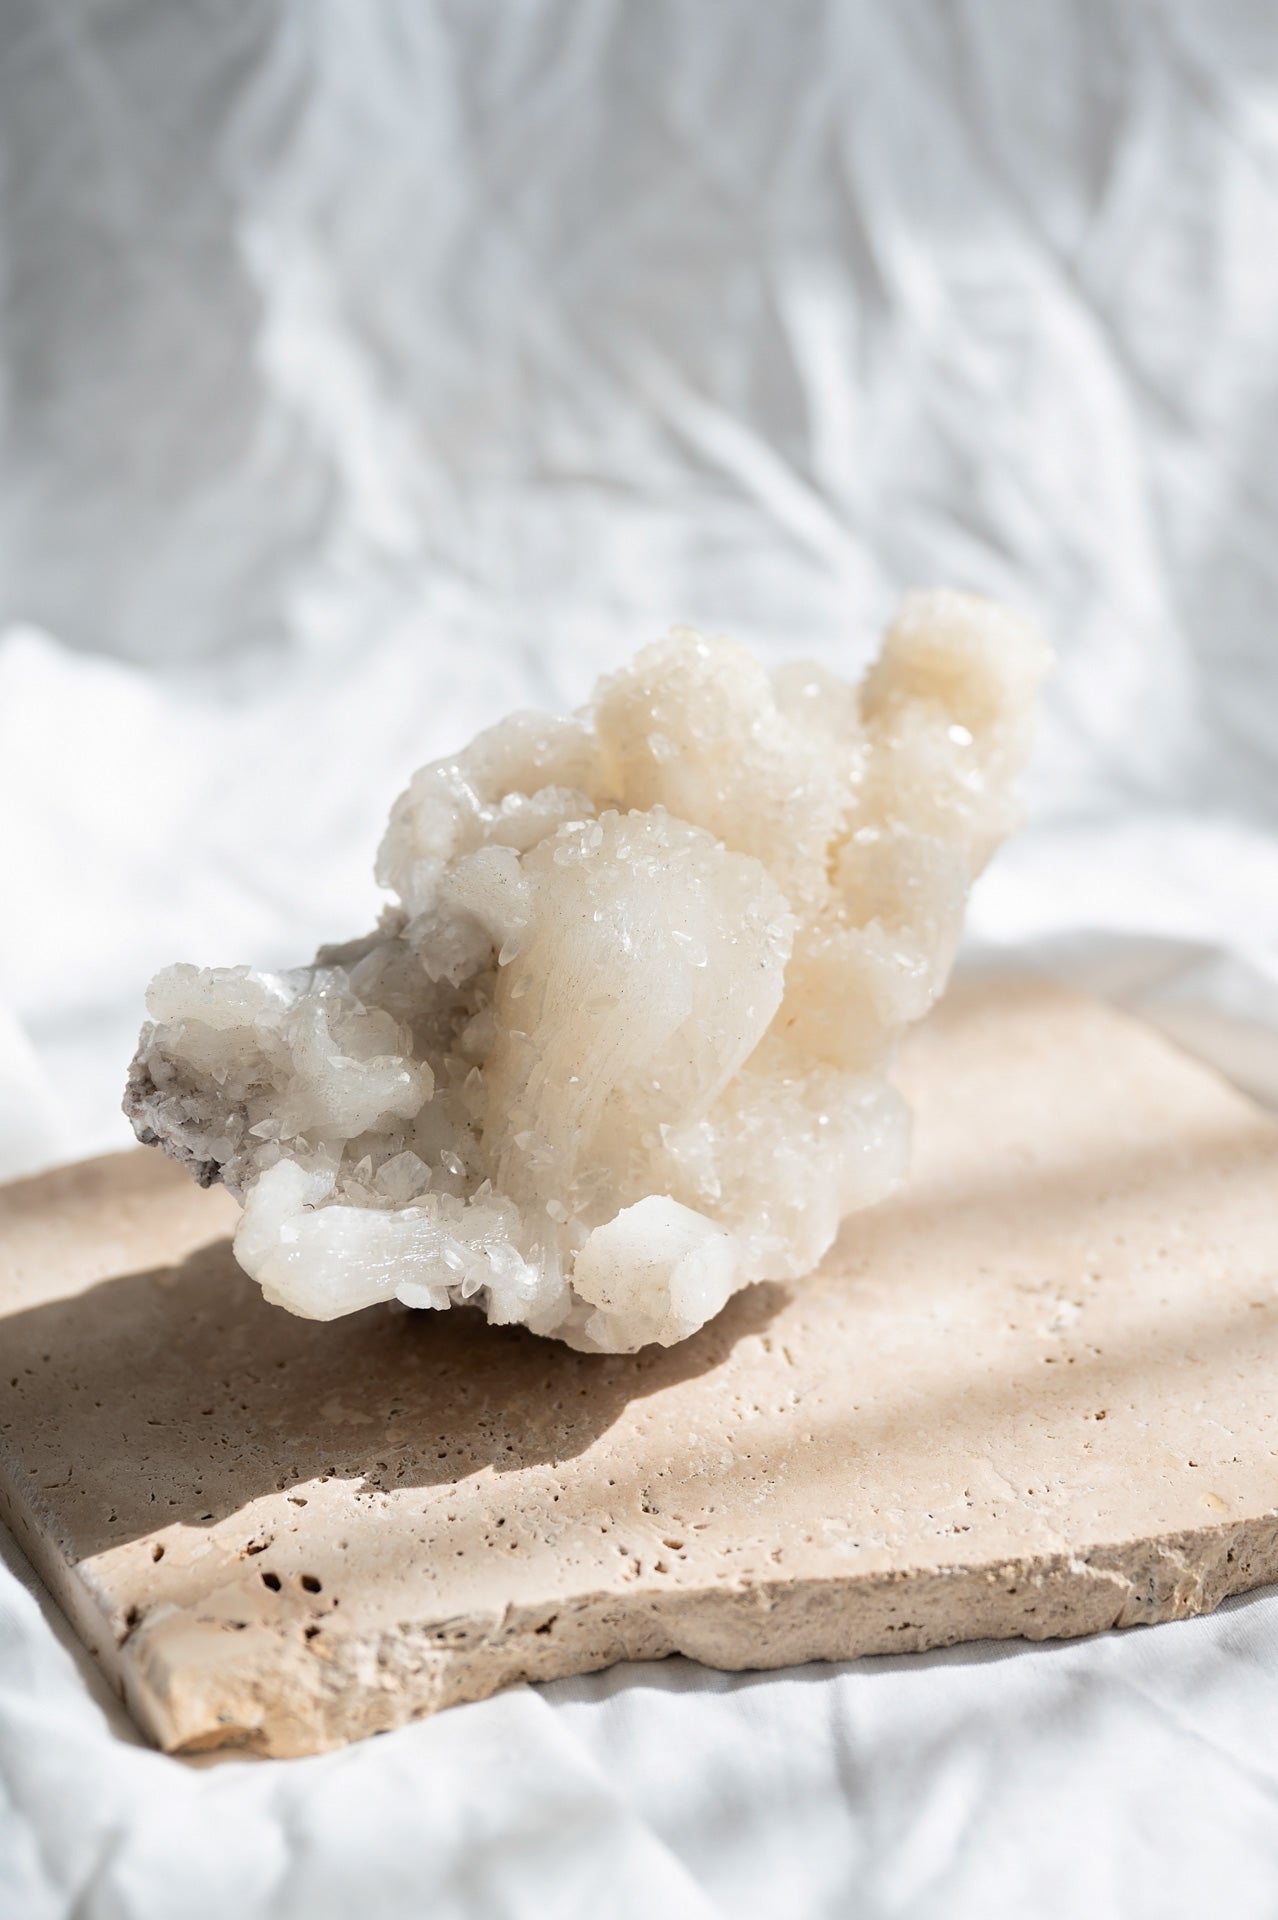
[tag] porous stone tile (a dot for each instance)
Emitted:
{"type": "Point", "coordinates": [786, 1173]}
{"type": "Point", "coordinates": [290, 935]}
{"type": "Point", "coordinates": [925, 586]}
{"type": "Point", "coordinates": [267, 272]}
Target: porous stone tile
{"type": "Point", "coordinates": [1036, 1394]}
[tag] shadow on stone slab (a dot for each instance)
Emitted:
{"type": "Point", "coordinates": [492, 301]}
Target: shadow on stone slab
{"type": "Point", "coordinates": [180, 1395]}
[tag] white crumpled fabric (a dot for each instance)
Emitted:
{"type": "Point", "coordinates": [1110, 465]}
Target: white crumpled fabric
{"type": "Point", "coordinates": [368, 370]}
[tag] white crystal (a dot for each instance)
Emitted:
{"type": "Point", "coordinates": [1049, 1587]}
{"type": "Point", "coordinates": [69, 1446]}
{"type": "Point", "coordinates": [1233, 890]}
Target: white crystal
{"type": "Point", "coordinates": [621, 1047]}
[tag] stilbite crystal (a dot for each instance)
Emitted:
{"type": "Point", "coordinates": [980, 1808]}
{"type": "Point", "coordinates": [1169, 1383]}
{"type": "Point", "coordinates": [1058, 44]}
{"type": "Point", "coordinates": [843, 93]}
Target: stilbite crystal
{"type": "Point", "coordinates": [621, 1048]}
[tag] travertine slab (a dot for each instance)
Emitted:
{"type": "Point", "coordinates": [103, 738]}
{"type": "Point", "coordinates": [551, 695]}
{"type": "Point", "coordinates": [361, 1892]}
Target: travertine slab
{"type": "Point", "coordinates": [1038, 1395]}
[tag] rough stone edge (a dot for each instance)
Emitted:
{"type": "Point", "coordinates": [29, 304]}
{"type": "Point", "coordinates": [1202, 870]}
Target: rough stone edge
{"type": "Point", "coordinates": [194, 1686]}
{"type": "Point", "coordinates": [21, 1509]}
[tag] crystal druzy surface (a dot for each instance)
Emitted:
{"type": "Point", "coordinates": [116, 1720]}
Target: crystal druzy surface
{"type": "Point", "coordinates": [621, 1045]}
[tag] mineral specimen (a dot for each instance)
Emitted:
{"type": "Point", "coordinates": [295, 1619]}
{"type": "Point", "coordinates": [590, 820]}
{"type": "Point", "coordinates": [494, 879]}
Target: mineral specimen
{"type": "Point", "coordinates": [621, 1047]}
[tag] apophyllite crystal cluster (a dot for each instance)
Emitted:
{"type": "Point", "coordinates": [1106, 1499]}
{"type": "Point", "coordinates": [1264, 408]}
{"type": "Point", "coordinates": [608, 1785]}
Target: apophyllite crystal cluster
{"type": "Point", "coordinates": [621, 1046]}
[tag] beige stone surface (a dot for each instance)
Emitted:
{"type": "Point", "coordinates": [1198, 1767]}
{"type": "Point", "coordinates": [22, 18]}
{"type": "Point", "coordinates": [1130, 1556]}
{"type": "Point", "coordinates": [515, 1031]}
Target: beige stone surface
{"type": "Point", "coordinates": [1037, 1394]}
